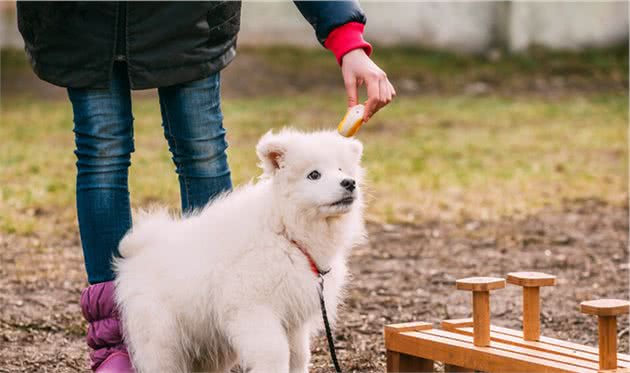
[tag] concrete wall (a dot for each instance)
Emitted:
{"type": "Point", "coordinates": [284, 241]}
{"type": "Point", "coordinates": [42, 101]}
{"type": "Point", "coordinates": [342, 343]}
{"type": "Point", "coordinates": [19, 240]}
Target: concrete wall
{"type": "Point", "coordinates": [465, 27]}
{"type": "Point", "coordinates": [457, 26]}
{"type": "Point", "coordinates": [9, 34]}
{"type": "Point", "coordinates": [468, 27]}
{"type": "Point", "coordinates": [567, 25]}
{"type": "Point", "coordinates": [462, 26]}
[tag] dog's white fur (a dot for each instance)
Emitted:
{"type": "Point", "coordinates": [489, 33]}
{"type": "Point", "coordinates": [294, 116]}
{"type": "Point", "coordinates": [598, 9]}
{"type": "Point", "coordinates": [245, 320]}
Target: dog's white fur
{"type": "Point", "coordinates": [226, 285]}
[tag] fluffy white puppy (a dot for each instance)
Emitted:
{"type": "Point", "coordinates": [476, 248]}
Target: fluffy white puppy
{"type": "Point", "coordinates": [233, 282]}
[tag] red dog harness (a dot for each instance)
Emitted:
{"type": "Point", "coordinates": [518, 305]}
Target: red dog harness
{"type": "Point", "coordinates": [314, 268]}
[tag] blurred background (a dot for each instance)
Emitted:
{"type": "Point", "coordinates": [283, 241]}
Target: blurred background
{"type": "Point", "coordinates": [506, 149]}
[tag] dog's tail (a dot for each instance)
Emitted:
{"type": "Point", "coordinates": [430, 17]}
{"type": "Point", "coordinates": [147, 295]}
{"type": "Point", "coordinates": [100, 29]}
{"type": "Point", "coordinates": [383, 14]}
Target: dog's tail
{"type": "Point", "coordinates": [147, 225]}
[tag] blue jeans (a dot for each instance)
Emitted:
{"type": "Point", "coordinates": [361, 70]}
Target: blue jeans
{"type": "Point", "coordinates": [103, 127]}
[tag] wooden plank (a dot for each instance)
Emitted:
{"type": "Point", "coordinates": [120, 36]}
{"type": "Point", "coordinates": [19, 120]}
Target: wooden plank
{"type": "Point", "coordinates": [531, 279]}
{"type": "Point", "coordinates": [463, 354]}
{"type": "Point", "coordinates": [448, 368]}
{"type": "Point", "coordinates": [559, 342]}
{"type": "Point", "coordinates": [517, 341]}
{"type": "Point", "coordinates": [397, 362]}
{"type": "Point", "coordinates": [401, 363]}
{"type": "Point", "coordinates": [519, 350]}
{"type": "Point", "coordinates": [605, 307]}
{"type": "Point", "coordinates": [455, 325]}
{"type": "Point", "coordinates": [480, 283]}
{"type": "Point", "coordinates": [408, 326]}
{"type": "Point", "coordinates": [541, 346]}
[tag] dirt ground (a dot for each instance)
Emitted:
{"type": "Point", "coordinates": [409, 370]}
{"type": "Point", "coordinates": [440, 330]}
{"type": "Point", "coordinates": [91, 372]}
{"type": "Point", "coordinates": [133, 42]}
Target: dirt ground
{"type": "Point", "coordinates": [404, 273]}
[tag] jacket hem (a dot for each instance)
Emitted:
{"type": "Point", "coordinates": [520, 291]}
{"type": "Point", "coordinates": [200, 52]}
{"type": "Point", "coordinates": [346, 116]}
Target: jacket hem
{"type": "Point", "coordinates": [182, 74]}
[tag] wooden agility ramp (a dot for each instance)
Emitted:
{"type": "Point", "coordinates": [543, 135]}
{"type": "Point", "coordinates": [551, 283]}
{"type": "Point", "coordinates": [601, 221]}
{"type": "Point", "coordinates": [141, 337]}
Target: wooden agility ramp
{"type": "Point", "coordinates": [468, 345]}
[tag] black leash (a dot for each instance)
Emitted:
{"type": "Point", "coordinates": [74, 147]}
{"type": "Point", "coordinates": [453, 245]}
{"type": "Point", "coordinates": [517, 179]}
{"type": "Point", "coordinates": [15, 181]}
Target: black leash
{"type": "Point", "coordinates": [329, 336]}
{"type": "Point", "coordinates": [320, 280]}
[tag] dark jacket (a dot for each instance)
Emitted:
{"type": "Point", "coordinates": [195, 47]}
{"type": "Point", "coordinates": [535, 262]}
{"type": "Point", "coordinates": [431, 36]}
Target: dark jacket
{"type": "Point", "coordinates": [75, 44]}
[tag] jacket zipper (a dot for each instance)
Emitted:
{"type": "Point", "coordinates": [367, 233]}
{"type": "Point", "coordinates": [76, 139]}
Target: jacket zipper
{"type": "Point", "coordinates": [121, 31]}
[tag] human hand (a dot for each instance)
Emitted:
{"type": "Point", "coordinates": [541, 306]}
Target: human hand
{"type": "Point", "coordinates": [358, 69]}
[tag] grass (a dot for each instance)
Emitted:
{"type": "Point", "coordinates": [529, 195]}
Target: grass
{"type": "Point", "coordinates": [426, 69]}
{"type": "Point", "coordinates": [427, 157]}
{"type": "Point", "coordinates": [447, 72]}
{"type": "Point", "coordinates": [412, 60]}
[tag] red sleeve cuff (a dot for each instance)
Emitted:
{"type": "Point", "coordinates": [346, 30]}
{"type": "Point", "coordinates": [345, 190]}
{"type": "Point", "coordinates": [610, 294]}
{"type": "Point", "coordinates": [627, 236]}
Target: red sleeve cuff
{"type": "Point", "coordinates": [345, 38]}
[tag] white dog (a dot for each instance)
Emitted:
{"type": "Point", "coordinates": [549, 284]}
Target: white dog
{"type": "Point", "coordinates": [234, 282]}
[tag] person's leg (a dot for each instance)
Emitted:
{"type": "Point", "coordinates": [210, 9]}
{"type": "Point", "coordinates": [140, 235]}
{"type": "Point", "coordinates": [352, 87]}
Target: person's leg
{"type": "Point", "coordinates": [103, 127]}
{"type": "Point", "coordinates": [104, 142]}
{"type": "Point", "coordinates": [193, 126]}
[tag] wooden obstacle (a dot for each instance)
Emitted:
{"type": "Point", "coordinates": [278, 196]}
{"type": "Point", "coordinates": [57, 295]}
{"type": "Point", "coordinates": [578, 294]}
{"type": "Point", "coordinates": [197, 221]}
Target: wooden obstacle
{"type": "Point", "coordinates": [473, 344]}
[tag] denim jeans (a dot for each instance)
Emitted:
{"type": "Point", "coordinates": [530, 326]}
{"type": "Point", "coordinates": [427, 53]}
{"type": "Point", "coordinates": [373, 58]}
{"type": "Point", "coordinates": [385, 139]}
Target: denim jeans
{"type": "Point", "coordinates": [103, 127]}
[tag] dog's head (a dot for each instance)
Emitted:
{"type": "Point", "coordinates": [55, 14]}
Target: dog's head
{"type": "Point", "coordinates": [318, 173]}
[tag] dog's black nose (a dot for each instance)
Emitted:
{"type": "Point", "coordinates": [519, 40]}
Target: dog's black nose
{"type": "Point", "coordinates": [348, 184]}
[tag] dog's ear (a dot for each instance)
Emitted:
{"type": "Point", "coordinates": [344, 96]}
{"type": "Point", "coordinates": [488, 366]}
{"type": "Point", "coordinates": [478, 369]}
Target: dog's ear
{"type": "Point", "coordinates": [271, 150]}
{"type": "Point", "coordinates": [356, 149]}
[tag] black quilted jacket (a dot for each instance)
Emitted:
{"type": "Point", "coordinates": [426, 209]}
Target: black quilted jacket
{"type": "Point", "coordinates": [75, 44]}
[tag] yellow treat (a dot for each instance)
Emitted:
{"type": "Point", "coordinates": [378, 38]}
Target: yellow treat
{"type": "Point", "coordinates": [351, 122]}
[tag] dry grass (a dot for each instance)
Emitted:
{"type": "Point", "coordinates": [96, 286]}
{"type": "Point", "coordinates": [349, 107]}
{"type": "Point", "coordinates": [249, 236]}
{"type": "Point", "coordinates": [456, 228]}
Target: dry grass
{"type": "Point", "coordinates": [428, 157]}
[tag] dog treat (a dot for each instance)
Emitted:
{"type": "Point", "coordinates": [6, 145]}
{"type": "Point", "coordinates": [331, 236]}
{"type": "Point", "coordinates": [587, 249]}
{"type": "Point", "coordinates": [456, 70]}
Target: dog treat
{"type": "Point", "coordinates": [352, 121]}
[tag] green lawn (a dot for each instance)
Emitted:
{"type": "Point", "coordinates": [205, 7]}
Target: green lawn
{"type": "Point", "coordinates": [447, 157]}
{"type": "Point", "coordinates": [444, 68]}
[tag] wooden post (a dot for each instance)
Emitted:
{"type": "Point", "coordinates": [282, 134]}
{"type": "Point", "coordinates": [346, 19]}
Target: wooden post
{"type": "Point", "coordinates": [531, 283]}
{"type": "Point", "coordinates": [531, 313]}
{"type": "Point", "coordinates": [607, 311]}
{"type": "Point", "coordinates": [402, 363]}
{"type": "Point", "coordinates": [480, 287]}
{"type": "Point", "coordinates": [607, 342]}
{"type": "Point", "coordinates": [481, 318]}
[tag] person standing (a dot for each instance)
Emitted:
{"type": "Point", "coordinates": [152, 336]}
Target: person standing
{"type": "Point", "coordinates": [100, 51]}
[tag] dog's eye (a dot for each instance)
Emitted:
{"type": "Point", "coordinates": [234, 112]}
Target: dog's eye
{"type": "Point", "coordinates": [314, 175]}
